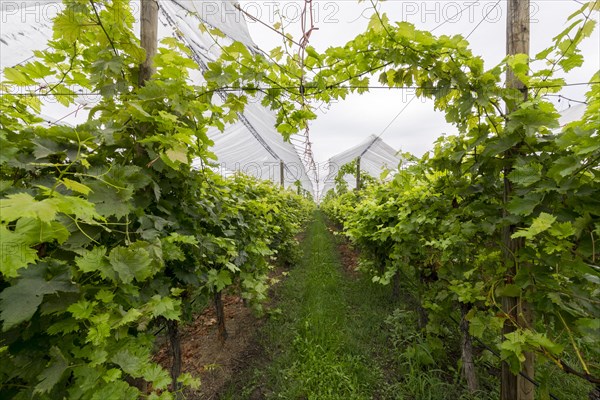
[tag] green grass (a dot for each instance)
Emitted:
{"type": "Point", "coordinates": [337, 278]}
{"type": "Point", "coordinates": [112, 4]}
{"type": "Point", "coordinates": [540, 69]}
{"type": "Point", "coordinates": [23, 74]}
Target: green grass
{"type": "Point", "coordinates": [324, 342]}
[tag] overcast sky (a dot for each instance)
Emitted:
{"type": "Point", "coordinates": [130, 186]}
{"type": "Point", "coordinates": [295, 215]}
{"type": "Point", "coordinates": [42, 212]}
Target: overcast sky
{"type": "Point", "coordinates": [349, 122]}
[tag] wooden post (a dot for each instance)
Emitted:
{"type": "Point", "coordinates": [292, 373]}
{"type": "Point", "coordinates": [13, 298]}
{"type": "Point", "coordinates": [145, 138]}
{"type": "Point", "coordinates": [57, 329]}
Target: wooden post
{"type": "Point", "coordinates": [220, 311]}
{"type": "Point", "coordinates": [517, 38]}
{"type": "Point", "coordinates": [149, 42]}
{"type": "Point", "coordinates": [175, 340]}
{"type": "Point", "coordinates": [514, 387]}
{"type": "Point", "coordinates": [358, 173]}
{"type": "Point", "coordinates": [149, 37]}
{"type": "Point", "coordinates": [282, 173]}
{"type": "Point", "coordinates": [467, 350]}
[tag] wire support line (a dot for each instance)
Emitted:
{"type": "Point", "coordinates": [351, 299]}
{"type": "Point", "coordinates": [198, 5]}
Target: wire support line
{"type": "Point", "coordinates": [354, 87]}
{"type": "Point", "coordinates": [561, 97]}
{"type": "Point", "coordinates": [378, 137]}
{"type": "Point", "coordinates": [2, 93]}
{"type": "Point", "coordinates": [458, 14]}
{"type": "Point", "coordinates": [22, 62]}
{"type": "Point", "coordinates": [293, 89]}
{"type": "Point", "coordinates": [256, 19]}
{"type": "Point", "coordinates": [572, 41]}
{"type": "Point", "coordinates": [195, 14]}
{"type": "Point", "coordinates": [483, 19]}
{"type": "Point", "coordinates": [81, 106]}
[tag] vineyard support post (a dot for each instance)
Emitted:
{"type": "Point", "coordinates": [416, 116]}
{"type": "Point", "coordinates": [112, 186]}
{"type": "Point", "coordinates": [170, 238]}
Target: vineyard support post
{"type": "Point", "coordinates": [149, 37]}
{"type": "Point", "coordinates": [220, 311]}
{"type": "Point", "coordinates": [469, 371]}
{"type": "Point", "coordinates": [514, 387]}
{"type": "Point", "coordinates": [282, 174]}
{"type": "Point", "coordinates": [358, 173]}
{"type": "Point", "coordinates": [149, 42]}
{"type": "Point", "coordinates": [175, 341]}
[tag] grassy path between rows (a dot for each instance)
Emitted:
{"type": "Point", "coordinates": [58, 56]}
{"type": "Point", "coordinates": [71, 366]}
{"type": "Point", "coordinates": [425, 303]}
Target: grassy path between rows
{"type": "Point", "coordinates": [322, 341]}
{"type": "Point", "coordinates": [332, 334]}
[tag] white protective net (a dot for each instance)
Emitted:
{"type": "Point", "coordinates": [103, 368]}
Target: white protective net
{"type": "Point", "coordinates": [375, 157]}
{"type": "Point", "coordinates": [573, 113]}
{"type": "Point", "coordinates": [251, 145]}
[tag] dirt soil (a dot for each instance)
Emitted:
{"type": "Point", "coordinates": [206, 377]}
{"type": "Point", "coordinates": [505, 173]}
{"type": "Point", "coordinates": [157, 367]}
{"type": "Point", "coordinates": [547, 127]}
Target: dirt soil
{"type": "Point", "coordinates": [205, 357]}
{"type": "Point", "coordinates": [348, 255]}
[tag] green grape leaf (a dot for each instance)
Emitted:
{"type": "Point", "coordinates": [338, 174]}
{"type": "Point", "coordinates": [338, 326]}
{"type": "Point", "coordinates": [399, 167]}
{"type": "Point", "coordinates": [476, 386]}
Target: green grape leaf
{"type": "Point", "coordinates": [53, 373]}
{"type": "Point", "coordinates": [100, 329]}
{"type": "Point", "coordinates": [188, 380]}
{"type": "Point", "coordinates": [562, 230]}
{"type": "Point", "coordinates": [166, 395]}
{"type": "Point", "coordinates": [129, 317]}
{"type": "Point", "coordinates": [523, 205]}
{"type": "Point", "coordinates": [15, 252]}
{"type": "Point", "coordinates": [77, 206]}
{"type": "Point", "coordinates": [131, 263]}
{"type": "Point", "coordinates": [477, 326]}
{"type": "Point", "coordinates": [20, 205]}
{"type": "Point", "coordinates": [76, 186]}
{"type": "Point", "coordinates": [20, 301]}
{"type": "Point", "coordinates": [512, 348]}
{"type": "Point", "coordinates": [83, 309]}
{"type": "Point", "coordinates": [110, 200]}
{"type": "Point", "coordinates": [95, 260]}
{"type": "Point", "coordinates": [64, 326]}
{"type": "Point", "coordinates": [539, 225]}
{"type": "Point", "coordinates": [45, 147]}
{"type": "Point", "coordinates": [563, 167]}
{"type": "Point", "coordinates": [35, 231]}
{"type": "Point", "coordinates": [130, 362]}
{"type": "Point", "coordinates": [105, 296]}
{"type": "Point", "coordinates": [118, 390]}
{"type": "Point", "coordinates": [526, 175]}
{"type": "Point", "coordinates": [219, 279]}
{"type": "Point", "coordinates": [378, 22]}
{"type": "Point", "coordinates": [177, 154]}
{"type": "Point", "coordinates": [159, 377]}
{"type": "Point", "coordinates": [17, 77]}
{"type": "Point", "coordinates": [98, 356]}
{"type": "Point", "coordinates": [165, 307]}
{"type": "Point", "coordinates": [508, 291]}
{"type": "Point", "coordinates": [541, 340]}
{"type": "Point", "coordinates": [112, 375]}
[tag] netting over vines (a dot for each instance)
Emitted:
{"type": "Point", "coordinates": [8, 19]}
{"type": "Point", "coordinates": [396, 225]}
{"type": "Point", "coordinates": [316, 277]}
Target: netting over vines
{"type": "Point", "coordinates": [375, 155]}
{"type": "Point", "coordinates": [251, 145]}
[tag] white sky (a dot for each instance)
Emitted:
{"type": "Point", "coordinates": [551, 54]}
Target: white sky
{"type": "Point", "coordinates": [349, 122]}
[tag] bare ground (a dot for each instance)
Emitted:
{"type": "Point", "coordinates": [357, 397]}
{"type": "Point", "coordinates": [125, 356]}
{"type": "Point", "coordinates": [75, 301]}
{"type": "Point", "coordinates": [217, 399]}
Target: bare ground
{"type": "Point", "coordinates": [204, 356]}
{"type": "Point", "coordinates": [348, 255]}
